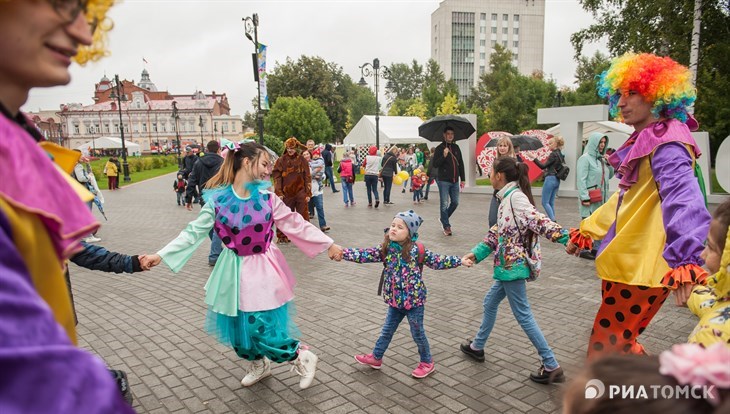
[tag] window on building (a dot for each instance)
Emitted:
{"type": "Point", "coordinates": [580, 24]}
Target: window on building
{"type": "Point", "coordinates": [482, 69]}
{"type": "Point", "coordinates": [144, 127]}
{"type": "Point", "coordinates": [494, 30]}
{"type": "Point", "coordinates": [482, 56]}
{"type": "Point", "coordinates": [136, 127]}
{"type": "Point", "coordinates": [483, 16]}
{"type": "Point", "coordinates": [97, 128]}
{"type": "Point", "coordinates": [482, 29]}
{"type": "Point", "coordinates": [233, 125]}
{"type": "Point", "coordinates": [77, 131]}
{"type": "Point", "coordinates": [106, 128]}
{"type": "Point", "coordinates": [505, 17]}
{"type": "Point", "coordinates": [494, 43]}
{"type": "Point", "coordinates": [494, 17]}
{"type": "Point", "coordinates": [172, 126]}
{"type": "Point", "coordinates": [116, 128]}
{"type": "Point", "coordinates": [505, 30]}
{"type": "Point", "coordinates": [516, 31]}
{"type": "Point", "coordinates": [504, 43]}
{"type": "Point", "coordinates": [515, 44]}
{"type": "Point", "coordinates": [516, 17]}
{"type": "Point", "coordinates": [154, 127]}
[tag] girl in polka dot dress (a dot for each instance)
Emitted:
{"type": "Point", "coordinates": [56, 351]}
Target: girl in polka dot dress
{"type": "Point", "coordinates": [250, 291]}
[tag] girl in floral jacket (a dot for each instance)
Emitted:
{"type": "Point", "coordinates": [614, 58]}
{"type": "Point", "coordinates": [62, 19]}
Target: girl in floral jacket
{"type": "Point", "coordinates": [403, 287]}
{"type": "Point", "coordinates": [516, 260]}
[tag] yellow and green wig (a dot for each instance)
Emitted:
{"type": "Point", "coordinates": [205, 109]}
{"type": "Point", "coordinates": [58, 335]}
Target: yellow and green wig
{"type": "Point", "coordinates": [660, 80]}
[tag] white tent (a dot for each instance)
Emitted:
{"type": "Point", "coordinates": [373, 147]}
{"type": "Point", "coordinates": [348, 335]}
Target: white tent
{"type": "Point", "coordinates": [393, 130]}
{"type": "Point", "coordinates": [110, 143]}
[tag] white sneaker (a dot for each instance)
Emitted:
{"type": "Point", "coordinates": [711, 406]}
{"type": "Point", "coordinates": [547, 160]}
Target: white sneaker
{"type": "Point", "coordinates": [92, 239]}
{"type": "Point", "coordinates": [305, 365]}
{"type": "Point", "coordinates": [260, 369]}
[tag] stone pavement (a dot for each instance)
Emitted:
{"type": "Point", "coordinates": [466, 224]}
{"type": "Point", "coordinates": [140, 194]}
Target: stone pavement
{"type": "Point", "coordinates": [151, 324]}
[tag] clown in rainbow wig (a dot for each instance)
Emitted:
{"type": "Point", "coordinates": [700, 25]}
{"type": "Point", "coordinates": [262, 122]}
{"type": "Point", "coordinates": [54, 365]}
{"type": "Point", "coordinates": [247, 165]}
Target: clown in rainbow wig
{"type": "Point", "coordinates": [653, 228]}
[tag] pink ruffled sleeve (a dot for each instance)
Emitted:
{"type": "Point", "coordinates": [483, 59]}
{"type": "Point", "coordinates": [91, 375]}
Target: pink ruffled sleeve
{"type": "Point", "coordinates": [308, 238]}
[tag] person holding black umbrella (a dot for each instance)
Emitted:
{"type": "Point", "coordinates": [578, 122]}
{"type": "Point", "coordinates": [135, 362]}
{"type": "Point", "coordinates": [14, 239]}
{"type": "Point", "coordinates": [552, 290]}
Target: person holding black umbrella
{"type": "Point", "coordinates": [449, 164]}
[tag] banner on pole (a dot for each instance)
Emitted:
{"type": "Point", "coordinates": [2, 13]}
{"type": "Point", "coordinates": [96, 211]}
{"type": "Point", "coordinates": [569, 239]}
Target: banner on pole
{"type": "Point", "coordinates": [263, 95]}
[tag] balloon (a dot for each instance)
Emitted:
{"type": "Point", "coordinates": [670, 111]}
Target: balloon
{"type": "Point", "coordinates": [403, 175]}
{"type": "Point", "coordinates": [416, 172]}
{"type": "Point", "coordinates": [397, 180]}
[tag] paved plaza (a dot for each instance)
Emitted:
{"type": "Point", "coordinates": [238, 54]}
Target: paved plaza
{"type": "Point", "coordinates": [151, 324]}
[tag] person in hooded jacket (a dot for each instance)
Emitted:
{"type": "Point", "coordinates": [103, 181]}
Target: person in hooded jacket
{"type": "Point", "coordinates": [328, 157]}
{"type": "Point", "coordinates": [204, 169]}
{"type": "Point", "coordinates": [594, 171]}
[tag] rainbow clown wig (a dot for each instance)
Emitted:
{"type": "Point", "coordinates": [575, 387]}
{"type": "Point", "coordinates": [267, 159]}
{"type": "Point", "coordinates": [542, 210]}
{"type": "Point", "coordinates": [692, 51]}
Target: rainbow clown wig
{"type": "Point", "coordinates": [659, 80]}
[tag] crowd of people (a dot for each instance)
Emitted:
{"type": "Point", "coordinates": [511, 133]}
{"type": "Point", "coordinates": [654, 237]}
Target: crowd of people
{"type": "Point", "coordinates": [649, 239]}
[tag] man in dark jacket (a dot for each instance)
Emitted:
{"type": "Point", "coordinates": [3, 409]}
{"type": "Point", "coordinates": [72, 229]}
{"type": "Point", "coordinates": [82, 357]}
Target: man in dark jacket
{"type": "Point", "coordinates": [448, 163]}
{"type": "Point", "coordinates": [328, 162]}
{"type": "Point", "coordinates": [204, 169]}
{"type": "Point", "coordinates": [188, 163]}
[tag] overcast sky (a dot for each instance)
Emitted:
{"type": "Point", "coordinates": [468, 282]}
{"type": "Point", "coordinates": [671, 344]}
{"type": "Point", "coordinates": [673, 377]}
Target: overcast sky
{"type": "Point", "coordinates": [200, 44]}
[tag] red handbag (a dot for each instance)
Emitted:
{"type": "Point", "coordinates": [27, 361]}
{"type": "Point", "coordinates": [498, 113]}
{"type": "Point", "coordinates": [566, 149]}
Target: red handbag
{"type": "Point", "coordinates": [596, 195]}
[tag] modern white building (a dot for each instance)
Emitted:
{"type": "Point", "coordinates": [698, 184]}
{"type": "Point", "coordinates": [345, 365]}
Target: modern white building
{"type": "Point", "coordinates": [465, 32]}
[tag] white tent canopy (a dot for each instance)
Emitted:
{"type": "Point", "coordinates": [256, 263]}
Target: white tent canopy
{"type": "Point", "coordinates": [110, 143]}
{"type": "Point", "coordinates": [393, 130]}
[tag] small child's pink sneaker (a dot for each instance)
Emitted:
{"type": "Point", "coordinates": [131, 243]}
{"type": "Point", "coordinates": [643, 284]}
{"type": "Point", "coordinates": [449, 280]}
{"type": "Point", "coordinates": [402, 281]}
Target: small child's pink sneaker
{"type": "Point", "coordinates": [369, 360]}
{"type": "Point", "coordinates": [423, 370]}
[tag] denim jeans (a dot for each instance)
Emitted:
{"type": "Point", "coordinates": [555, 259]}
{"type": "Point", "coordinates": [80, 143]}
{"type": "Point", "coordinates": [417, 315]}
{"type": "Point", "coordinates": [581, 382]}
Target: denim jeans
{"type": "Point", "coordinates": [216, 246]}
{"type": "Point", "coordinates": [319, 205]}
{"type": "Point", "coordinates": [371, 184]}
{"type": "Point", "coordinates": [493, 210]}
{"type": "Point", "coordinates": [387, 186]}
{"type": "Point", "coordinates": [347, 192]}
{"type": "Point", "coordinates": [330, 177]}
{"type": "Point", "coordinates": [180, 199]}
{"type": "Point", "coordinates": [549, 190]}
{"type": "Point", "coordinates": [449, 194]}
{"type": "Point", "coordinates": [428, 188]}
{"type": "Point", "coordinates": [417, 195]}
{"type": "Point", "coordinates": [415, 320]}
{"type": "Point", "coordinates": [516, 294]}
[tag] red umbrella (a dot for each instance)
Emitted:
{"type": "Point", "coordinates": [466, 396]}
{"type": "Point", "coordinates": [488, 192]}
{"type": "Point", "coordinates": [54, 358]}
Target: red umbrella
{"type": "Point", "coordinates": [487, 155]}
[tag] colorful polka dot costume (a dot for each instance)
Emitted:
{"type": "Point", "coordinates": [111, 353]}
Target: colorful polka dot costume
{"type": "Point", "coordinates": [244, 226]}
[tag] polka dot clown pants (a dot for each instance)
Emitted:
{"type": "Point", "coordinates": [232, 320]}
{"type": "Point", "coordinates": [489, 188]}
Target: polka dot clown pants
{"type": "Point", "coordinates": [255, 335]}
{"type": "Point", "coordinates": [625, 312]}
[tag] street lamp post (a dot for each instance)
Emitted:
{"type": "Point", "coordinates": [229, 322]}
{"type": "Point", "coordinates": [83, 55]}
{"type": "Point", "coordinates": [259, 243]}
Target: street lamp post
{"type": "Point", "coordinates": [251, 25]}
{"type": "Point", "coordinates": [176, 117]}
{"type": "Point", "coordinates": [118, 93]}
{"type": "Point", "coordinates": [374, 69]}
{"type": "Point", "coordinates": [202, 145]}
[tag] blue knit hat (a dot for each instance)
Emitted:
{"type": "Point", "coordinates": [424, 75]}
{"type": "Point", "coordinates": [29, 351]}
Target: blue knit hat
{"type": "Point", "coordinates": [413, 222]}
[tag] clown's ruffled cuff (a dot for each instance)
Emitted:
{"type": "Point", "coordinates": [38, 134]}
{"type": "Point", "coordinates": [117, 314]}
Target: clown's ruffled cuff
{"type": "Point", "coordinates": [583, 242]}
{"type": "Point", "coordinates": [688, 273]}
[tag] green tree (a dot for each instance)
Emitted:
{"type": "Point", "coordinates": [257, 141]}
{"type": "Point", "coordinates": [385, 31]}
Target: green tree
{"type": "Point", "coordinates": [585, 77]}
{"type": "Point", "coordinates": [404, 81]}
{"type": "Point", "coordinates": [501, 74]}
{"type": "Point", "coordinates": [316, 78]}
{"type": "Point", "coordinates": [450, 105]}
{"type": "Point", "coordinates": [303, 118]}
{"type": "Point", "coordinates": [435, 87]}
{"type": "Point", "coordinates": [417, 108]}
{"type": "Point", "coordinates": [361, 102]}
{"type": "Point", "coordinates": [400, 106]}
{"type": "Point", "coordinates": [275, 144]}
{"type": "Point", "coordinates": [665, 27]}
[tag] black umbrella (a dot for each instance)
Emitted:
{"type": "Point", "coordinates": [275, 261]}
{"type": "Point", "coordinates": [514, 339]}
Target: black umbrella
{"type": "Point", "coordinates": [525, 142]}
{"type": "Point", "coordinates": [433, 129]}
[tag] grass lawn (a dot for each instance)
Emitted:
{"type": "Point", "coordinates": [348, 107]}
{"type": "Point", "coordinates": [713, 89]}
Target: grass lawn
{"type": "Point", "coordinates": [98, 167]}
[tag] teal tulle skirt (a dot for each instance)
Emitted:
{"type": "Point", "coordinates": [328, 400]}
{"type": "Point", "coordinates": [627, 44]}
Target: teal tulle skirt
{"type": "Point", "coordinates": [255, 335]}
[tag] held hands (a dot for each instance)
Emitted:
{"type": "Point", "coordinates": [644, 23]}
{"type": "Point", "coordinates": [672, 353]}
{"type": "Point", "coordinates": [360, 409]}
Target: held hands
{"type": "Point", "coordinates": [681, 294]}
{"type": "Point", "coordinates": [461, 185]}
{"type": "Point", "coordinates": [148, 261]}
{"type": "Point", "coordinates": [468, 260]}
{"type": "Point", "coordinates": [335, 252]}
{"type": "Point", "coordinates": [572, 249]}
{"type": "Point", "coordinates": [446, 152]}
